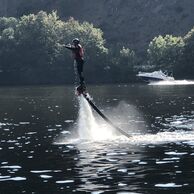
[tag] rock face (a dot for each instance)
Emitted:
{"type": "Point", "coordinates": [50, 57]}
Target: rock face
{"type": "Point", "coordinates": [133, 23]}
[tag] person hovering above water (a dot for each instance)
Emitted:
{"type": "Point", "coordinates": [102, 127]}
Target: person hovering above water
{"type": "Point", "coordinates": [78, 54]}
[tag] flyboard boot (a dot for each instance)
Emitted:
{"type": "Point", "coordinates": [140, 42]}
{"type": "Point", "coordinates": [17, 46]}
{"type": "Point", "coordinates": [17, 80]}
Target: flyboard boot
{"type": "Point", "coordinates": [81, 89]}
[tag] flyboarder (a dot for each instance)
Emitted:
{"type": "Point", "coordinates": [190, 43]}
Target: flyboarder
{"type": "Point", "coordinates": [78, 55]}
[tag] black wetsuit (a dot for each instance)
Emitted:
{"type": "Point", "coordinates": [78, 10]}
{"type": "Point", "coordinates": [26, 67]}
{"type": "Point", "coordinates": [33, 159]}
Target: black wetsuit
{"type": "Point", "coordinates": [78, 57]}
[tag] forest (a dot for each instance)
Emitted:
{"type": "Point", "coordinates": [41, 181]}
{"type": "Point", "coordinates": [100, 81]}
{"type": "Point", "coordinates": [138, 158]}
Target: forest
{"type": "Point", "coordinates": [32, 52]}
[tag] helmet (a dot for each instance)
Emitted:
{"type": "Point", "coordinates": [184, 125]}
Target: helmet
{"type": "Point", "coordinates": [76, 41]}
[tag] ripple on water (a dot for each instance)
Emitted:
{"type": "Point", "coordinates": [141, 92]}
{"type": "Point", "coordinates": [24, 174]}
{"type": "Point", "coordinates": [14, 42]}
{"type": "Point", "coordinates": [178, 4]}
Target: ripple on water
{"type": "Point", "coordinates": [183, 121]}
{"type": "Point", "coordinates": [164, 162]}
{"type": "Point", "coordinates": [122, 184]}
{"type": "Point", "coordinates": [52, 130]}
{"type": "Point", "coordinates": [69, 121]}
{"type": "Point", "coordinates": [43, 176]}
{"type": "Point", "coordinates": [66, 132]}
{"type": "Point", "coordinates": [168, 185]}
{"type": "Point", "coordinates": [97, 192]}
{"type": "Point", "coordinates": [24, 123]}
{"type": "Point", "coordinates": [42, 171]}
{"type": "Point", "coordinates": [6, 129]}
{"type": "Point", "coordinates": [125, 192]}
{"type": "Point", "coordinates": [12, 167]}
{"type": "Point", "coordinates": [65, 181]}
{"type": "Point", "coordinates": [8, 178]}
{"type": "Point", "coordinates": [176, 153]}
{"type": "Point", "coordinates": [124, 170]}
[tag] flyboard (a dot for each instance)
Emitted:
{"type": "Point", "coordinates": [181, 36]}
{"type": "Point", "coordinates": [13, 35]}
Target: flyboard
{"type": "Point", "coordinates": [82, 91]}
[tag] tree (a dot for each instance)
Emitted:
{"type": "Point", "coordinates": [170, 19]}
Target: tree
{"type": "Point", "coordinates": [128, 61]}
{"type": "Point", "coordinates": [37, 38]}
{"type": "Point", "coordinates": [32, 47]}
{"type": "Point", "coordinates": [10, 22]}
{"type": "Point", "coordinates": [7, 42]}
{"type": "Point", "coordinates": [121, 64]}
{"type": "Point", "coordinates": [165, 52]}
{"type": "Point", "coordinates": [187, 60]}
{"type": "Point", "coordinates": [93, 43]}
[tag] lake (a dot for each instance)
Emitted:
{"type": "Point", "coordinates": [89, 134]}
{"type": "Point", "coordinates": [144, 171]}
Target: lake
{"type": "Point", "coordinates": [52, 142]}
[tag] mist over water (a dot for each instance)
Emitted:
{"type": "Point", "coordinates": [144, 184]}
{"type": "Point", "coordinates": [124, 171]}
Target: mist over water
{"type": "Point", "coordinates": [174, 82]}
{"type": "Point", "coordinates": [162, 137]}
{"type": "Point", "coordinates": [92, 128]}
{"type": "Point", "coordinates": [88, 127]}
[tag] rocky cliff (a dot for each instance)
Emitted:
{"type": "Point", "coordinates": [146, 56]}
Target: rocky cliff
{"type": "Point", "coordinates": [133, 23]}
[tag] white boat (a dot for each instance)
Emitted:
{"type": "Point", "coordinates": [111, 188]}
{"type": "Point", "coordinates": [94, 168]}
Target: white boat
{"type": "Point", "coordinates": [154, 76]}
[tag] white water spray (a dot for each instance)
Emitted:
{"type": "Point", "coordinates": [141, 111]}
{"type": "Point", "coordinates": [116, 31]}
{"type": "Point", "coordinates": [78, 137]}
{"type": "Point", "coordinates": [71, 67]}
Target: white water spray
{"type": "Point", "coordinates": [88, 128]}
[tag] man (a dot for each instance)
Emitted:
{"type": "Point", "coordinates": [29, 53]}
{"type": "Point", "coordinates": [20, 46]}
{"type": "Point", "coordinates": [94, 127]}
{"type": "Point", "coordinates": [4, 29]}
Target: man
{"type": "Point", "coordinates": [78, 55]}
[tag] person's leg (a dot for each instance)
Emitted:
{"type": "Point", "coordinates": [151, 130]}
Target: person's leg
{"type": "Point", "coordinates": [82, 87]}
{"type": "Point", "coordinates": [80, 64]}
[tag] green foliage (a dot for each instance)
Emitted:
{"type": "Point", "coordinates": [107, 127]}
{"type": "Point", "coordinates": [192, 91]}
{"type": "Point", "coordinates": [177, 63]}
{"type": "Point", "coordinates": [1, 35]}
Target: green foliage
{"type": "Point", "coordinates": [187, 61]}
{"type": "Point", "coordinates": [7, 23]}
{"type": "Point", "coordinates": [32, 51]}
{"type": "Point", "coordinates": [32, 47]}
{"type": "Point", "coordinates": [91, 37]}
{"type": "Point", "coordinates": [173, 53]}
{"type": "Point", "coordinates": [165, 52]}
{"type": "Point", "coordinates": [92, 40]}
{"type": "Point", "coordinates": [128, 60]}
{"type": "Point", "coordinates": [37, 39]}
{"type": "Point", "coordinates": [128, 56]}
{"type": "Point", "coordinates": [7, 42]}
{"type": "Point", "coordinates": [189, 36]}
{"type": "Point", "coordinates": [121, 62]}
{"type": "Point", "coordinates": [8, 34]}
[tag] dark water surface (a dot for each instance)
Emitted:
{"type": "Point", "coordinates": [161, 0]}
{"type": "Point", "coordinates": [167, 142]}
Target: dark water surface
{"type": "Point", "coordinates": [158, 158]}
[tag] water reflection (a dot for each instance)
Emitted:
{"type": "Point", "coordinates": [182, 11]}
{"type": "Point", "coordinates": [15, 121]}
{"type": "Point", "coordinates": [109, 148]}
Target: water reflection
{"type": "Point", "coordinates": [99, 165]}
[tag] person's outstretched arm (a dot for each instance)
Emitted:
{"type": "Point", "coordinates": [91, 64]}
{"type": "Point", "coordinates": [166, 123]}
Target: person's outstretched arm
{"type": "Point", "coordinates": [70, 47]}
